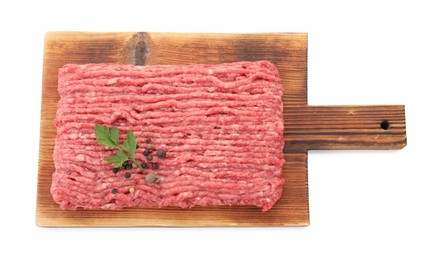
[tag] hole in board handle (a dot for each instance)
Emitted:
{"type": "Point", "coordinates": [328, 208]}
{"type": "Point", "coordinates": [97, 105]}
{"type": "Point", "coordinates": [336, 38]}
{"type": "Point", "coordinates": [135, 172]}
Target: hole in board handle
{"type": "Point", "coordinates": [385, 125]}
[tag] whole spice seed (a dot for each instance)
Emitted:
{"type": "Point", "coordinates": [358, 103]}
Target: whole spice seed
{"type": "Point", "coordinates": [150, 151]}
{"type": "Point", "coordinates": [145, 152]}
{"type": "Point", "coordinates": [144, 165]}
{"type": "Point", "coordinates": [161, 153]}
{"type": "Point", "coordinates": [128, 175]}
{"type": "Point", "coordinates": [155, 166]}
{"type": "Point", "coordinates": [122, 167]}
{"type": "Point", "coordinates": [128, 166]}
{"type": "Point", "coordinates": [150, 157]}
{"type": "Point", "coordinates": [151, 177]}
{"type": "Point", "coordinates": [115, 170]}
{"type": "Point", "coordinates": [114, 191]}
{"type": "Point", "coordinates": [148, 140]}
{"type": "Point", "coordinates": [131, 189]}
{"type": "Point", "coordinates": [149, 146]}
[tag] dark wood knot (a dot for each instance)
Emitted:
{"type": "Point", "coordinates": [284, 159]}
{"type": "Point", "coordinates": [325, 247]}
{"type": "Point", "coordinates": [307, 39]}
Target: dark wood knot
{"type": "Point", "coordinates": [140, 53]}
{"type": "Point", "coordinates": [138, 49]}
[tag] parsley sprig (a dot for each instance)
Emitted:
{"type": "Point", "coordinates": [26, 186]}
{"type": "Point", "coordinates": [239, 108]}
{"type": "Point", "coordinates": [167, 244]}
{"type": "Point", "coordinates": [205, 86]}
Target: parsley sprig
{"type": "Point", "coordinates": [110, 137]}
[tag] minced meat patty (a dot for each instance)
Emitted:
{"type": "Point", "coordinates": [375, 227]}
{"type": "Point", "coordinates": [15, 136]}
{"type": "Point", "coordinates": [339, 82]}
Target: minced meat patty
{"type": "Point", "coordinates": [220, 125]}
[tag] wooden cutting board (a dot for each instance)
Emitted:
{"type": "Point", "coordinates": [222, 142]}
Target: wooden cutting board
{"type": "Point", "coordinates": [306, 127]}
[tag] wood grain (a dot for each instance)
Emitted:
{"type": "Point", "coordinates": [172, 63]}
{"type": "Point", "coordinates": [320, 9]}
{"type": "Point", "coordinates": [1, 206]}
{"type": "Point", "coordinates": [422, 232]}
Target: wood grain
{"type": "Point", "coordinates": [344, 127]}
{"type": "Point", "coordinates": [306, 127]}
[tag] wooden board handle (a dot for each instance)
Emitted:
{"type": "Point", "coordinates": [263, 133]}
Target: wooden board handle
{"type": "Point", "coordinates": [344, 127]}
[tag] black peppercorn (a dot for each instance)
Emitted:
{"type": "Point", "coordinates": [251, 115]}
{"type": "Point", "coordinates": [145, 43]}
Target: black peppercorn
{"type": "Point", "coordinates": [145, 152]}
{"type": "Point", "coordinates": [155, 166]}
{"type": "Point", "coordinates": [115, 170]}
{"type": "Point", "coordinates": [150, 157]}
{"type": "Point", "coordinates": [148, 140]}
{"type": "Point", "coordinates": [114, 191]}
{"type": "Point", "coordinates": [128, 175]}
{"type": "Point", "coordinates": [144, 165]}
{"type": "Point", "coordinates": [161, 153]}
{"type": "Point", "coordinates": [128, 166]}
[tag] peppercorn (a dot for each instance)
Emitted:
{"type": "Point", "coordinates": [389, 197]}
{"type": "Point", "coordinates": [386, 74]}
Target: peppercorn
{"type": "Point", "coordinates": [122, 167]}
{"type": "Point", "coordinates": [128, 175]}
{"type": "Point", "coordinates": [144, 165]}
{"type": "Point", "coordinates": [115, 170]}
{"type": "Point", "coordinates": [161, 153]}
{"type": "Point", "coordinates": [151, 177]}
{"type": "Point", "coordinates": [155, 166]}
{"type": "Point", "coordinates": [114, 191]}
{"type": "Point", "coordinates": [128, 166]}
{"type": "Point", "coordinates": [145, 152]}
{"type": "Point", "coordinates": [150, 157]}
{"type": "Point", "coordinates": [150, 151]}
{"type": "Point", "coordinates": [148, 140]}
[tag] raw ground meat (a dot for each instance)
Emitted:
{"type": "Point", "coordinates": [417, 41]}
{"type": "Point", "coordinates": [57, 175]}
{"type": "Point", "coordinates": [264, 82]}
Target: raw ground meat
{"type": "Point", "coordinates": [220, 125]}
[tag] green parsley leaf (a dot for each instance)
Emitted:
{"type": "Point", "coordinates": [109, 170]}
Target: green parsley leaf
{"type": "Point", "coordinates": [119, 158]}
{"type": "Point", "coordinates": [110, 138]}
{"type": "Point", "coordinates": [130, 143]}
{"type": "Point", "coordinates": [103, 136]}
{"type": "Point", "coordinates": [114, 135]}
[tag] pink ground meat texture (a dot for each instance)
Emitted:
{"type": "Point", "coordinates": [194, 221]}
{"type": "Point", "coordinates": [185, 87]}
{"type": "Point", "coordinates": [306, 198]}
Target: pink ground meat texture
{"type": "Point", "coordinates": [220, 125]}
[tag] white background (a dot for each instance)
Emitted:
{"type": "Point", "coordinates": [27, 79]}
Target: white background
{"type": "Point", "coordinates": [363, 204]}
